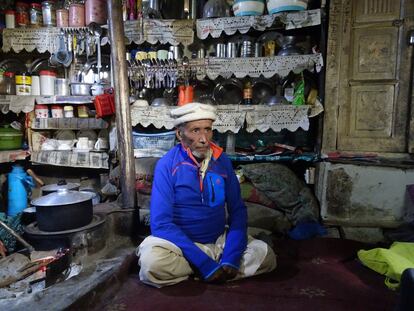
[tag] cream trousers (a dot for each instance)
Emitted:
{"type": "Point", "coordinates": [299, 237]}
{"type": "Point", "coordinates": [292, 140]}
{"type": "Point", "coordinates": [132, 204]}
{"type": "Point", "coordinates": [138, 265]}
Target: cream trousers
{"type": "Point", "coordinates": [162, 262]}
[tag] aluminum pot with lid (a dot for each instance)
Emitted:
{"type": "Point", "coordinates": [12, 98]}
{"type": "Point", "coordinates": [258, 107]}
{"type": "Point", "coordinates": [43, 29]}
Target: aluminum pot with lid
{"type": "Point", "coordinates": [61, 184]}
{"type": "Point", "coordinates": [63, 210]}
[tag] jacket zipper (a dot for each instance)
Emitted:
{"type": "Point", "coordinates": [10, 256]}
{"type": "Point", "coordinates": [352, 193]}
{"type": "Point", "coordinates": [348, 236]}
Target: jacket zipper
{"type": "Point", "coordinates": [213, 194]}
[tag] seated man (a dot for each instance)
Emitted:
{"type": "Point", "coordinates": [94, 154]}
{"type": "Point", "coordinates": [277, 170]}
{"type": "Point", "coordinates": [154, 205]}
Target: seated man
{"type": "Point", "coordinates": [198, 219]}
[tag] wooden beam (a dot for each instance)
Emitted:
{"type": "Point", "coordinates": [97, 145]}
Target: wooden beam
{"type": "Point", "coordinates": [123, 114]}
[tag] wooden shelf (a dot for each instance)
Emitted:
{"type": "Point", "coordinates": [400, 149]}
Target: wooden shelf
{"type": "Point", "coordinates": [7, 156]}
{"type": "Point", "coordinates": [68, 124]}
{"type": "Point", "coordinates": [91, 159]}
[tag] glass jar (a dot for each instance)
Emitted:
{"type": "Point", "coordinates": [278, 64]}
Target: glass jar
{"type": "Point", "coordinates": [76, 15]}
{"type": "Point", "coordinates": [36, 18]}
{"type": "Point", "coordinates": [8, 85]}
{"type": "Point", "coordinates": [95, 12]}
{"type": "Point", "coordinates": [62, 18]}
{"type": "Point", "coordinates": [22, 14]}
{"type": "Point", "coordinates": [23, 83]}
{"type": "Point", "coordinates": [49, 13]}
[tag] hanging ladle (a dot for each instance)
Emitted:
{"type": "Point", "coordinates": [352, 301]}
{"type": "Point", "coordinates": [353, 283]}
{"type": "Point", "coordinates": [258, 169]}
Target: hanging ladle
{"type": "Point", "coordinates": [96, 31]}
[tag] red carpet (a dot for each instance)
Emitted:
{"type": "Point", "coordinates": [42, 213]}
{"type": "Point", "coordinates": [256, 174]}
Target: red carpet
{"type": "Point", "coordinates": [318, 274]}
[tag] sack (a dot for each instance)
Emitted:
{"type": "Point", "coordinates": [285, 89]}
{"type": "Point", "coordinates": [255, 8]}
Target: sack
{"type": "Point", "coordinates": [389, 262]}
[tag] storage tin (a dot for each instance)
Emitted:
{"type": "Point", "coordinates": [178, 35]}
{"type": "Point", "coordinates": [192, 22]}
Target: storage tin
{"type": "Point", "coordinates": [23, 84]}
{"type": "Point", "coordinates": [95, 12]}
{"type": "Point", "coordinates": [62, 18]}
{"type": "Point", "coordinates": [76, 15]}
{"type": "Point", "coordinates": [47, 82]}
{"type": "Point", "coordinates": [57, 111]}
{"type": "Point", "coordinates": [41, 111]}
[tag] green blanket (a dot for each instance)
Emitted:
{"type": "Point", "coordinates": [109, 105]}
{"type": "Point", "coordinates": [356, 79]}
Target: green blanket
{"type": "Point", "coordinates": [389, 262]}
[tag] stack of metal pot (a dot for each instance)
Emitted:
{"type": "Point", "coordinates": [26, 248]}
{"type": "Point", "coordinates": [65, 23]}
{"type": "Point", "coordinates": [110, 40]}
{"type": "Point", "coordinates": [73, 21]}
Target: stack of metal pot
{"type": "Point", "coordinates": [62, 207]}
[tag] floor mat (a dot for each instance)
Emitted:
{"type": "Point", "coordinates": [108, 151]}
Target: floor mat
{"type": "Point", "coordinates": [318, 274]}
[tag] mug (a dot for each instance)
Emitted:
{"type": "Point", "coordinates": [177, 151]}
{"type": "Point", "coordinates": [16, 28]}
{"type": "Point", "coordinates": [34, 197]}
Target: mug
{"type": "Point", "coordinates": [162, 54]}
{"type": "Point", "coordinates": [152, 55]}
{"type": "Point", "coordinates": [101, 144]}
{"type": "Point", "coordinates": [83, 143]}
{"type": "Point", "coordinates": [140, 55]}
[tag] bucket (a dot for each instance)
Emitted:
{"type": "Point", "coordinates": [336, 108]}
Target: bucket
{"type": "Point", "coordinates": [19, 185]}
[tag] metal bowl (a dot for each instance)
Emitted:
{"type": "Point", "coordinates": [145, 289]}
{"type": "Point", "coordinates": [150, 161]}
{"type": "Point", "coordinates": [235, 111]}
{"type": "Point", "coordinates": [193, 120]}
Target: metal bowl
{"type": "Point", "coordinates": [228, 92]}
{"type": "Point", "coordinates": [83, 89]}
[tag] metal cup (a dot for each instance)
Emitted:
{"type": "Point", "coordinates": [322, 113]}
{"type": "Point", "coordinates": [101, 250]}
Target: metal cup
{"type": "Point", "coordinates": [231, 49]}
{"type": "Point", "coordinates": [62, 87]}
{"type": "Point", "coordinates": [175, 52]}
{"type": "Point", "coordinates": [220, 50]}
{"type": "Point", "coordinates": [247, 49]}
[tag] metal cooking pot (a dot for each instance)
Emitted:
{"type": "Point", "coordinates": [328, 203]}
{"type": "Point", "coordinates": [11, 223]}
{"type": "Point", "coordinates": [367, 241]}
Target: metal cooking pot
{"type": "Point", "coordinates": [82, 89]}
{"type": "Point", "coordinates": [61, 184]}
{"type": "Point", "coordinates": [63, 210]}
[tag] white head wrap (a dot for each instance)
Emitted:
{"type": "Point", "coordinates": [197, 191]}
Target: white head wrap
{"type": "Point", "coordinates": [193, 112]}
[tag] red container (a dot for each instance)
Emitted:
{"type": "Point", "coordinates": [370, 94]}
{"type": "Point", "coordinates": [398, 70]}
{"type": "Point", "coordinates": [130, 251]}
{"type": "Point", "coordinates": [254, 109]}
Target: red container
{"type": "Point", "coordinates": [22, 14]}
{"type": "Point", "coordinates": [95, 12]}
{"type": "Point", "coordinates": [104, 105]}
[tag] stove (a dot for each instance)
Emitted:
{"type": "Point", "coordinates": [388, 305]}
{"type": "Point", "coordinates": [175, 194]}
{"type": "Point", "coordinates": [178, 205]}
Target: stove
{"type": "Point", "coordinates": [90, 238]}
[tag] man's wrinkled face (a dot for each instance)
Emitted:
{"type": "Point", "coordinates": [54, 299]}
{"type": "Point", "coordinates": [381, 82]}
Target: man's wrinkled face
{"type": "Point", "coordinates": [196, 135]}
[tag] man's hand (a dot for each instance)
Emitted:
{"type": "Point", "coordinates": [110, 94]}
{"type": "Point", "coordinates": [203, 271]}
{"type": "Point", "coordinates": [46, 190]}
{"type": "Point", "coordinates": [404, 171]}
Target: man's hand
{"type": "Point", "coordinates": [217, 277]}
{"type": "Point", "coordinates": [3, 249]}
{"type": "Point", "coordinates": [230, 272]}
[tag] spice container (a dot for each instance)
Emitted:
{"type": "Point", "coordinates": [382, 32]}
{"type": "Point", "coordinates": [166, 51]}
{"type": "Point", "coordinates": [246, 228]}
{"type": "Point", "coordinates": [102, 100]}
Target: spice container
{"type": "Point", "coordinates": [36, 18]}
{"type": "Point", "coordinates": [47, 82]}
{"type": "Point", "coordinates": [41, 111]}
{"type": "Point", "coordinates": [49, 13]}
{"type": "Point", "coordinates": [23, 84]}
{"type": "Point", "coordinates": [10, 17]}
{"type": "Point", "coordinates": [35, 85]}
{"type": "Point", "coordinates": [83, 111]}
{"type": "Point", "coordinates": [57, 111]}
{"type": "Point", "coordinates": [22, 14]}
{"type": "Point", "coordinates": [76, 15]}
{"type": "Point", "coordinates": [62, 18]}
{"type": "Point", "coordinates": [95, 12]}
{"type": "Point", "coordinates": [68, 112]}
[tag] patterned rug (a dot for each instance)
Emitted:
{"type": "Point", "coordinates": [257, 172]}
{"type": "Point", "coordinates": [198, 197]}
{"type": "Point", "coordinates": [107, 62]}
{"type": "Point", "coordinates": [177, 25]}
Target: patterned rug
{"type": "Point", "coordinates": [318, 274]}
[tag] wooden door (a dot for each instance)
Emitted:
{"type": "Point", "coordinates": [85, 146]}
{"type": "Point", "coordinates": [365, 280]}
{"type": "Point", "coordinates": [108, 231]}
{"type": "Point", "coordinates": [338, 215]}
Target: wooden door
{"type": "Point", "coordinates": [367, 98]}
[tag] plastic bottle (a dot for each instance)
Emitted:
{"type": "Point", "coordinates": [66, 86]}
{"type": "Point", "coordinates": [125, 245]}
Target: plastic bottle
{"type": "Point", "coordinates": [19, 184]}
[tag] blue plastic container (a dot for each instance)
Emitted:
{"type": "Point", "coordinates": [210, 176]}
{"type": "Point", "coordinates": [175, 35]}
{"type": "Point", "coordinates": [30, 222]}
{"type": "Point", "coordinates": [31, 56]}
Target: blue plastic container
{"type": "Point", "coordinates": [20, 185]}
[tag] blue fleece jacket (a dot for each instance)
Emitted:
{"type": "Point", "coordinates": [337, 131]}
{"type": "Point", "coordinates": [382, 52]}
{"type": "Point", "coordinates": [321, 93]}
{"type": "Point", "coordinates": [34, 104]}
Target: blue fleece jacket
{"type": "Point", "coordinates": [186, 208]}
